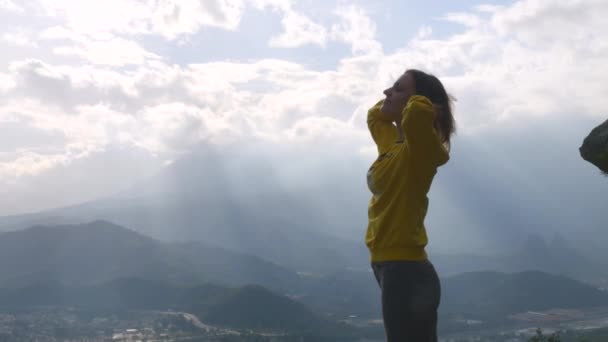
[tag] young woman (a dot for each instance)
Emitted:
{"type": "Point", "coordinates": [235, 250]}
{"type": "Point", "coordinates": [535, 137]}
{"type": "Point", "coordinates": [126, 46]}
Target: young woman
{"type": "Point", "coordinates": [412, 127]}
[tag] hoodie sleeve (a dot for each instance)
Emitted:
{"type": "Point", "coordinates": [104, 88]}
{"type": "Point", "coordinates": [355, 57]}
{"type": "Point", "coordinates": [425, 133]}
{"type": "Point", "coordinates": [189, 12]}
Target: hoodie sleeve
{"type": "Point", "coordinates": [383, 132]}
{"type": "Point", "coordinates": [426, 148]}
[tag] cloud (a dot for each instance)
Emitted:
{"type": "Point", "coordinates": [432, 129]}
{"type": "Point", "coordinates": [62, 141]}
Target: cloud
{"type": "Point", "coordinates": [28, 163]}
{"type": "Point", "coordinates": [324, 131]}
{"type": "Point", "coordinates": [95, 87]}
{"type": "Point", "coordinates": [18, 134]}
{"type": "Point", "coordinates": [99, 20]}
{"type": "Point", "coordinates": [177, 127]}
{"type": "Point", "coordinates": [465, 19]}
{"type": "Point", "coordinates": [108, 50]}
{"type": "Point", "coordinates": [169, 19]}
{"type": "Point", "coordinates": [19, 38]}
{"type": "Point", "coordinates": [273, 99]}
{"type": "Point", "coordinates": [10, 6]}
{"type": "Point", "coordinates": [174, 18]}
{"type": "Point", "coordinates": [167, 110]}
{"type": "Point", "coordinates": [113, 52]}
{"type": "Point", "coordinates": [356, 29]}
{"type": "Point", "coordinates": [534, 21]}
{"type": "Point", "coordinates": [47, 83]}
{"type": "Point", "coordinates": [298, 28]}
{"type": "Point", "coordinates": [524, 60]}
{"type": "Point", "coordinates": [283, 5]}
{"type": "Point", "coordinates": [6, 82]}
{"type": "Point", "coordinates": [61, 183]}
{"type": "Point", "coordinates": [62, 33]}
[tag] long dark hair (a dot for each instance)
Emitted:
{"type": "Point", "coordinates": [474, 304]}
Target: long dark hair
{"type": "Point", "coordinates": [429, 86]}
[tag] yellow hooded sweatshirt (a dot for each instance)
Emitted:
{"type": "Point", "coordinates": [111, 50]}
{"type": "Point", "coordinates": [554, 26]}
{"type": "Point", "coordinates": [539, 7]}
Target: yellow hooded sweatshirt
{"type": "Point", "coordinates": [400, 179]}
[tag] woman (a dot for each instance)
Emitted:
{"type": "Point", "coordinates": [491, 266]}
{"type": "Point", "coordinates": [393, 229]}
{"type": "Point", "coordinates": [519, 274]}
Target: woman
{"type": "Point", "coordinates": [412, 127]}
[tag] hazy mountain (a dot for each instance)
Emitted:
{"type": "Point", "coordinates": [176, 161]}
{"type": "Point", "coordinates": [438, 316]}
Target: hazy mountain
{"type": "Point", "coordinates": [234, 204]}
{"type": "Point", "coordinates": [101, 251]}
{"type": "Point", "coordinates": [343, 294]}
{"type": "Point", "coordinates": [248, 307]}
{"type": "Point", "coordinates": [481, 293]}
{"type": "Point", "coordinates": [248, 205]}
{"type": "Point", "coordinates": [495, 294]}
{"type": "Point", "coordinates": [555, 255]}
{"type": "Point", "coordinates": [102, 265]}
{"type": "Point", "coordinates": [254, 307]}
{"type": "Point", "coordinates": [484, 294]}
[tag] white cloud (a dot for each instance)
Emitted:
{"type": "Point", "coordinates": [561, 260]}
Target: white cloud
{"type": "Point", "coordinates": [299, 30]}
{"type": "Point", "coordinates": [283, 5]}
{"type": "Point", "coordinates": [543, 22]}
{"type": "Point", "coordinates": [173, 18]}
{"type": "Point", "coordinates": [534, 58]}
{"type": "Point", "coordinates": [507, 65]}
{"type": "Point", "coordinates": [488, 8]}
{"type": "Point", "coordinates": [113, 52]}
{"type": "Point", "coordinates": [10, 6]}
{"type": "Point", "coordinates": [324, 130]}
{"type": "Point", "coordinates": [98, 19]}
{"type": "Point", "coordinates": [356, 29]}
{"type": "Point", "coordinates": [424, 32]}
{"type": "Point", "coordinates": [167, 18]}
{"type": "Point", "coordinates": [6, 82]}
{"type": "Point", "coordinates": [495, 77]}
{"type": "Point", "coordinates": [176, 127]}
{"type": "Point", "coordinates": [466, 19]}
{"type": "Point", "coordinates": [62, 33]}
{"type": "Point", "coordinates": [97, 174]}
{"type": "Point", "coordinates": [27, 164]}
{"type": "Point", "coordinates": [19, 38]}
{"type": "Point", "coordinates": [168, 109]}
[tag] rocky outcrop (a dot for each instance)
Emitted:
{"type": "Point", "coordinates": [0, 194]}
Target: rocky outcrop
{"type": "Point", "coordinates": [595, 147]}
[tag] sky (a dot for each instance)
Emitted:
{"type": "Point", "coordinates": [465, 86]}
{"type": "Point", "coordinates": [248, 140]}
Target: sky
{"type": "Point", "coordinates": [96, 96]}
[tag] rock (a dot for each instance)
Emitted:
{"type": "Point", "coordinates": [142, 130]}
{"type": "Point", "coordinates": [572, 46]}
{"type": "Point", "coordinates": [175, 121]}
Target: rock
{"type": "Point", "coordinates": [595, 147]}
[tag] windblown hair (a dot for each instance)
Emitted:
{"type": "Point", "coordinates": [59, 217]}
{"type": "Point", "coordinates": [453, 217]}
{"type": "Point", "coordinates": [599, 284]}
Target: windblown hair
{"type": "Point", "coordinates": [430, 87]}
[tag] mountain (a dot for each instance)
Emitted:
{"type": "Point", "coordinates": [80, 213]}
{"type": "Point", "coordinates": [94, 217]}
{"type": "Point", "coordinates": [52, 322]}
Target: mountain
{"type": "Point", "coordinates": [234, 204]}
{"type": "Point", "coordinates": [495, 294]}
{"type": "Point", "coordinates": [248, 307]}
{"type": "Point", "coordinates": [100, 251]}
{"type": "Point", "coordinates": [481, 294]}
{"type": "Point", "coordinates": [244, 204]}
{"type": "Point", "coordinates": [254, 307]}
{"type": "Point", "coordinates": [343, 294]}
{"type": "Point", "coordinates": [101, 265]}
{"type": "Point", "coordinates": [555, 255]}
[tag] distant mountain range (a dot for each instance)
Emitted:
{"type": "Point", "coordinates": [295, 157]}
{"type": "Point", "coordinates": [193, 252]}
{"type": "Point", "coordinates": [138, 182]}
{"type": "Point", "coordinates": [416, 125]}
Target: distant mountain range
{"type": "Point", "coordinates": [556, 256]}
{"type": "Point", "coordinates": [105, 266]}
{"type": "Point", "coordinates": [100, 251]}
{"type": "Point", "coordinates": [247, 307]}
{"type": "Point", "coordinates": [239, 205]}
{"type": "Point", "coordinates": [239, 208]}
{"type": "Point", "coordinates": [495, 294]}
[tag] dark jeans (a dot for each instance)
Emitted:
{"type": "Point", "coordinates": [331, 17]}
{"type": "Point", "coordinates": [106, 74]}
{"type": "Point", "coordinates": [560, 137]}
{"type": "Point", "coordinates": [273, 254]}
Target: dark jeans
{"type": "Point", "coordinates": [410, 299]}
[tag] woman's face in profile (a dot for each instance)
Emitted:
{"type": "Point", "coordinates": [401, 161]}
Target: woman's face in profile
{"type": "Point", "coordinates": [398, 95]}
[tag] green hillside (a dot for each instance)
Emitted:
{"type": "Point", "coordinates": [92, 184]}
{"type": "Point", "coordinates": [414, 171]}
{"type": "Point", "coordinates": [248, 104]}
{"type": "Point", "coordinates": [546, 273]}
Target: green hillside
{"type": "Point", "coordinates": [101, 251]}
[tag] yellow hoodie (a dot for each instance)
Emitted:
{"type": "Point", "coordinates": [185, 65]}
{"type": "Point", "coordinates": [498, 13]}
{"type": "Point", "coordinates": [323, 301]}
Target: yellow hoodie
{"type": "Point", "coordinates": [400, 179]}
